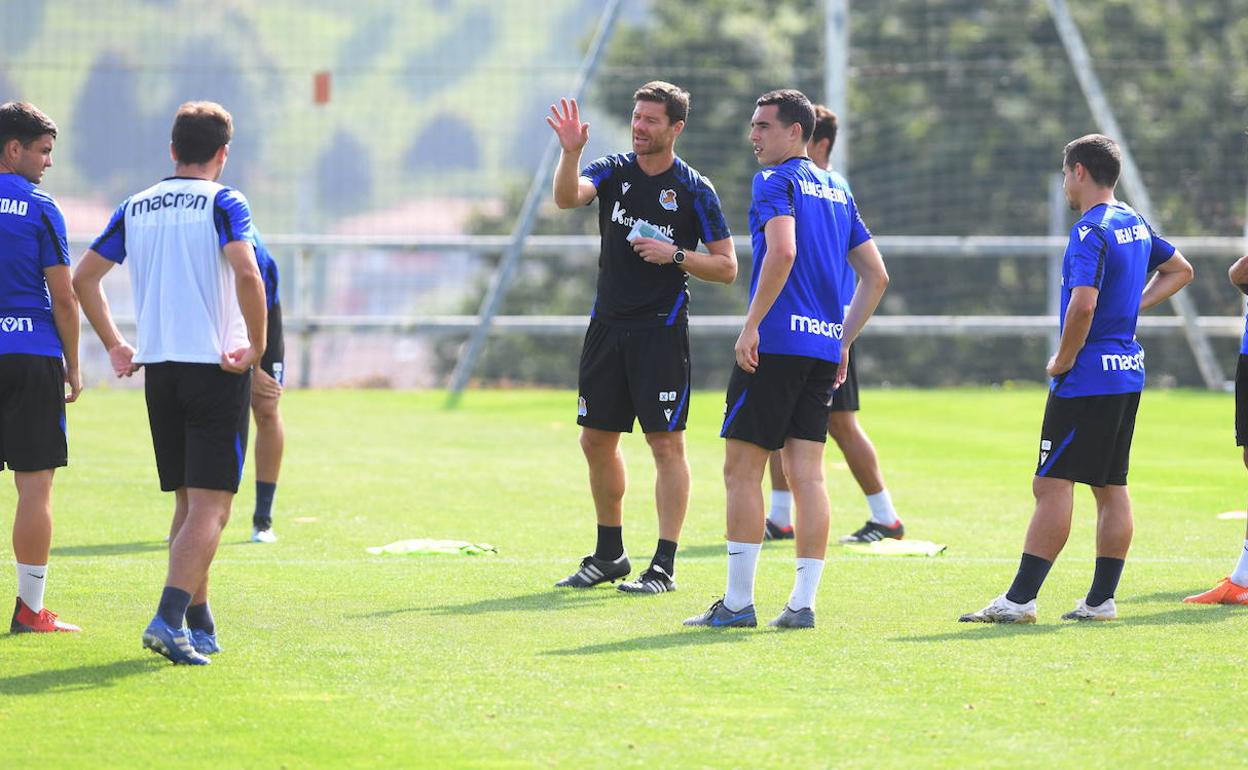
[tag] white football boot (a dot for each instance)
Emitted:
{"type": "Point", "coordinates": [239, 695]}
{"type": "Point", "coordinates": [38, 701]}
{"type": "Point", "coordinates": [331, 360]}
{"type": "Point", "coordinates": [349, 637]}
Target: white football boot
{"type": "Point", "coordinates": [1104, 611]}
{"type": "Point", "coordinates": [1002, 610]}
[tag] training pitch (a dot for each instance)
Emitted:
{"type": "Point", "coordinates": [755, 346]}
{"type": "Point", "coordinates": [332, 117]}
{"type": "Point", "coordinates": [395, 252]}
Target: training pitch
{"type": "Point", "coordinates": [334, 657]}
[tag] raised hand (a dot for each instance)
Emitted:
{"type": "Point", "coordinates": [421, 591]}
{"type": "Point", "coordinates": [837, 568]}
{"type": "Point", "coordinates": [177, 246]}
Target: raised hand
{"type": "Point", "coordinates": [565, 121]}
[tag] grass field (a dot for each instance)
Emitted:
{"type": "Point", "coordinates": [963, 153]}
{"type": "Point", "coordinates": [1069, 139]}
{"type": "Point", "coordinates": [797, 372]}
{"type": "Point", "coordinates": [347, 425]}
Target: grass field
{"type": "Point", "coordinates": [337, 658]}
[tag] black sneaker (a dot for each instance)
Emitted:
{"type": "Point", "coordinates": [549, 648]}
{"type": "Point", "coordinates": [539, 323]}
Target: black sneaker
{"type": "Point", "coordinates": [594, 571]}
{"type": "Point", "coordinates": [773, 531]}
{"type": "Point", "coordinates": [654, 580]}
{"type": "Point", "coordinates": [871, 532]}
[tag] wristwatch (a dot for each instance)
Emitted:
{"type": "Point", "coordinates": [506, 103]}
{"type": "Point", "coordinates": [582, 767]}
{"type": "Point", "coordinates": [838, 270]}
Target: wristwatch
{"type": "Point", "coordinates": [678, 257]}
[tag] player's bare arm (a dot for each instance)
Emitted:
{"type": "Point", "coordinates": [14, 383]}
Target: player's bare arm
{"type": "Point", "coordinates": [68, 323]}
{"type": "Point", "coordinates": [781, 234]}
{"type": "Point", "coordinates": [1075, 329]}
{"type": "Point", "coordinates": [868, 264]}
{"type": "Point", "coordinates": [249, 286]}
{"type": "Point", "coordinates": [718, 264]}
{"type": "Point", "coordinates": [87, 284]}
{"type": "Point", "coordinates": [1171, 275]}
{"type": "Point", "coordinates": [571, 189]}
{"type": "Point", "coordinates": [1239, 274]}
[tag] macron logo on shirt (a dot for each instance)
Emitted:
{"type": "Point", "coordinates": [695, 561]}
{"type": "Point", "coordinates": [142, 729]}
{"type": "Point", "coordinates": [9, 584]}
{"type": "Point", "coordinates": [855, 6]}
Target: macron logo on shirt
{"type": "Point", "coordinates": [16, 324]}
{"type": "Point", "coordinates": [810, 325]}
{"type": "Point", "coordinates": [1083, 232]}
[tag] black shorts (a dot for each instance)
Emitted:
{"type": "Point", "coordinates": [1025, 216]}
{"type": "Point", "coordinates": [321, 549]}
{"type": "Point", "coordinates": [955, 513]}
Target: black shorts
{"type": "Point", "coordinates": [32, 413]}
{"type": "Point", "coordinates": [199, 416]}
{"type": "Point", "coordinates": [845, 398]}
{"type": "Point", "coordinates": [274, 360]}
{"type": "Point", "coordinates": [785, 397]}
{"type": "Point", "coordinates": [627, 373]}
{"type": "Point", "coordinates": [1088, 439]}
{"type": "Point", "coordinates": [1241, 401]}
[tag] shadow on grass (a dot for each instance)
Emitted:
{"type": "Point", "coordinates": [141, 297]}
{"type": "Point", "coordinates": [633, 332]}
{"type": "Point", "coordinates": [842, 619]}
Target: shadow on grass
{"type": "Point", "coordinates": [980, 631]}
{"type": "Point", "coordinates": [689, 638]}
{"type": "Point", "coordinates": [548, 600]}
{"type": "Point", "coordinates": [109, 549]}
{"type": "Point", "coordinates": [703, 551]}
{"type": "Point", "coordinates": [1187, 615]}
{"type": "Point", "coordinates": [1184, 616]}
{"type": "Point", "coordinates": [62, 680]}
{"type": "Point", "coordinates": [1164, 596]}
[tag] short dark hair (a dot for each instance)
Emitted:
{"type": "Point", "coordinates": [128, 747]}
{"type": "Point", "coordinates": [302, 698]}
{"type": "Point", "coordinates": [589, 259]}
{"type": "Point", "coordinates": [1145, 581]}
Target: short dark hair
{"type": "Point", "coordinates": [825, 125]}
{"type": "Point", "coordinates": [1099, 155]}
{"type": "Point", "coordinates": [794, 107]}
{"type": "Point", "coordinates": [199, 130]}
{"type": "Point", "coordinates": [24, 122]}
{"type": "Point", "coordinates": [675, 99]}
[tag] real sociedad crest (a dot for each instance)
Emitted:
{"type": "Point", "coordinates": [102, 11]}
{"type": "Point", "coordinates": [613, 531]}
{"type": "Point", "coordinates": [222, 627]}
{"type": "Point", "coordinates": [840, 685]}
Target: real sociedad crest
{"type": "Point", "coordinates": [667, 199]}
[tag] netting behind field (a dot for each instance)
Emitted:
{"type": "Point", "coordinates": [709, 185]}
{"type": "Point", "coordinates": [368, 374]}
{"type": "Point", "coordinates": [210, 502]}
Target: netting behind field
{"type": "Point", "coordinates": [433, 125]}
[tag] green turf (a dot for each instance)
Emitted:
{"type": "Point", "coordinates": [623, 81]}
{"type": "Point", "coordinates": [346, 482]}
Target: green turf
{"type": "Point", "coordinates": [334, 657]}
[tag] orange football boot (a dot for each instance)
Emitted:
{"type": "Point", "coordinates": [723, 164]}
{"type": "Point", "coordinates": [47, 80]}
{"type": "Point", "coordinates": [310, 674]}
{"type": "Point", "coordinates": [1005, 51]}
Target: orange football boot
{"type": "Point", "coordinates": [26, 621]}
{"type": "Point", "coordinates": [1225, 592]}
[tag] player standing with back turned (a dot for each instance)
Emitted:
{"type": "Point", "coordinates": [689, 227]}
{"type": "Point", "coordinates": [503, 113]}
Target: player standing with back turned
{"type": "Point", "coordinates": [635, 359]}
{"type": "Point", "coordinates": [843, 425]}
{"type": "Point", "coordinates": [200, 317]}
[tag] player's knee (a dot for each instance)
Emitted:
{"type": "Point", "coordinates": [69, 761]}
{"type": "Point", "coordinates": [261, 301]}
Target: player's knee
{"type": "Point", "coordinates": [666, 447]}
{"type": "Point", "coordinates": [1246, 457]}
{"type": "Point", "coordinates": [266, 412]}
{"type": "Point", "coordinates": [595, 444]}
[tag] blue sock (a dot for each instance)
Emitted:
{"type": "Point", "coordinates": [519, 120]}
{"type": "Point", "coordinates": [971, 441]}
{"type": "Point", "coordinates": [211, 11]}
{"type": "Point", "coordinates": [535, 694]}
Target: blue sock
{"type": "Point", "coordinates": [1032, 570]}
{"type": "Point", "coordinates": [199, 616]}
{"type": "Point", "coordinates": [1104, 580]}
{"type": "Point", "coordinates": [263, 517]}
{"type": "Point", "coordinates": [173, 604]}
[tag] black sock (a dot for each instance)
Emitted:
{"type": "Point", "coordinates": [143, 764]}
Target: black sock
{"type": "Point", "coordinates": [263, 517]}
{"type": "Point", "coordinates": [665, 556]}
{"type": "Point", "coordinates": [610, 543]}
{"type": "Point", "coordinates": [173, 604]}
{"type": "Point", "coordinates": [199, 616]}
{"type": "Point", "coordinates": [1104, 580]}
{"type": "Point", "coordinates": [1032, 570]}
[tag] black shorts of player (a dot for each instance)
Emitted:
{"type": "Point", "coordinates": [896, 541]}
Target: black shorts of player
{"type": "Point", "coordinates": [845, 398]}
{"type": "Point", "coordinates": [786, 397]}
{"type": "Point", "coordinates": [629, 373]}
{"type": "Point", "coordinates": [199, 417]}
{"type": "Point", "coordinates": [32, 413]}
{"type": "Point", "coordinates": [274, 360]}
{"type": "Point", "coordinates": [1241, 401]}
{"type": "Point", "coordinates": [1088, 438]}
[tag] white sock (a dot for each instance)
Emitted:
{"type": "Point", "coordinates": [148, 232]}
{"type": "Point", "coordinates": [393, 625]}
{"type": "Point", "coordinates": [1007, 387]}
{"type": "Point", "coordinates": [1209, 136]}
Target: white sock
{"type": "Point", "coordinates": [742, 563]}
{"type": "Point", "coordinates": [882, 512]}
{"type": "Point", "coordinates": [781, 508]}
{"type": "Point", "coordinates": [1240, 576]}
{"type": "Point", "coordinates": [31, 579]}
{"type": "Point", "coordinates": [805, 583]}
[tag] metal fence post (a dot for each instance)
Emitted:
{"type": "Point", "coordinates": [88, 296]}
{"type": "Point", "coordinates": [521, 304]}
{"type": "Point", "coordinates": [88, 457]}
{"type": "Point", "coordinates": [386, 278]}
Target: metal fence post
{"type": "Point", "coordinates": [1132, 180]}
{"type": "Point", "coordinates": [528, 213]}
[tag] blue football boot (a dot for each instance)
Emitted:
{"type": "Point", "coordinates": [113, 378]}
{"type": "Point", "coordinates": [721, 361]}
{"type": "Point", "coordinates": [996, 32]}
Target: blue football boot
{"type": "Point", "coordinates": [174, 643]}
{"type": "Point", "coordinates": [204, 642]}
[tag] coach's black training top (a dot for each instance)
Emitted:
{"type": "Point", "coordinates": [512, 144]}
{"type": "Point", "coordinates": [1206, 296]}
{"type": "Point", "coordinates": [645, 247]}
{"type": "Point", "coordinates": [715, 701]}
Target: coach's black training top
{"type": "Point", "coordinates": [679, 201]}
